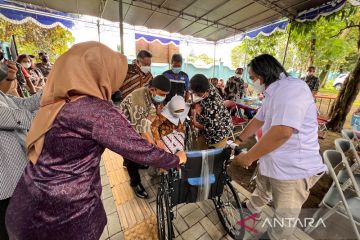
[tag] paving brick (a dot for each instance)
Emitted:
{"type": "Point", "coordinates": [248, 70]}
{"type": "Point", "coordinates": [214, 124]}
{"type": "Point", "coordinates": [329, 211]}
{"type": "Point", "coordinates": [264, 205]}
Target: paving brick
{"type": "Point", "coordinates": [180, 224]}
{"type": "Point", "coordinates": [220, 227]}
{"type": "Point", "coordinates": [113, 224]}
{"type": "Point", "coordinates": [205, 237]}
{"type": "Point", "coordinates": [187, 208]}
{"type": "Point", "coordinates": [106, 192]}
{"type": "Point", "coordinates": [118, 236]}
{"type": "Point", "coordinates": [194, 232]}
{"type": "Point", "coordinates": [214, 218]}
{"type": "Point", "coordinates": [206, 206]}
{"type": "Point", "coordinates": [105, 234]}
{"type": "Point", "coordinates": [109, 205]}
{"type": "Point", "coordinates": [194, 217]}
{"type": "Point", "coordinates": [178, 238]}
{"type": "Point", "coordinates": [211, 229]}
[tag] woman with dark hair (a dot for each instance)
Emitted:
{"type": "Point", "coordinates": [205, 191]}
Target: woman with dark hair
{"type": "Point", "coordinates": [290, 163]}
{"type": "Point", "coordinates": [34, 74]}
{"type": "Point", "coordinates": [25, 63]}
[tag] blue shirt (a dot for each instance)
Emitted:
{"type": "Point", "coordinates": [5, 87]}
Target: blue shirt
{"type": "Point", "coordinates": [289, 102]}
{"type": "Point", "coordinates": [179, 84]}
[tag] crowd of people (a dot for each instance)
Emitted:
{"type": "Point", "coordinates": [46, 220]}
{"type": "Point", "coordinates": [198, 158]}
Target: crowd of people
{"type": "Point", "coordinates": [56, 121]}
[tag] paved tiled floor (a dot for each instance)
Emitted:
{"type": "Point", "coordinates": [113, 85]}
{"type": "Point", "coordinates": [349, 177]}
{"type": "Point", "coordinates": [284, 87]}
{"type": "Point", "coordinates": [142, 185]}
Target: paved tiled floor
{"type": "Point", "coordinates": [132, 218]}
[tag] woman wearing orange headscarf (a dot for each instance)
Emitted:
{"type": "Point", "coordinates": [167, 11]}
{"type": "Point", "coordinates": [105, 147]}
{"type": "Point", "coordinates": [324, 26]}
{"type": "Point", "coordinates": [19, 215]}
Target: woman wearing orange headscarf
{"type": "Point", "coordinates": [58, 196]}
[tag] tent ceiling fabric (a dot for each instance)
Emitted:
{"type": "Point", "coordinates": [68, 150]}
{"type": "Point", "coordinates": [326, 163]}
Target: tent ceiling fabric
{"type": "Point", "coordinates": [209, 19]}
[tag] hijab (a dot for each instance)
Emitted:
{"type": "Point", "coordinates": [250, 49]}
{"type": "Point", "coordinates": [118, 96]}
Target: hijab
{"type": "Point", "coordinates": [87, 69]}
{"type": "Point", "coordinates": [176, 103]}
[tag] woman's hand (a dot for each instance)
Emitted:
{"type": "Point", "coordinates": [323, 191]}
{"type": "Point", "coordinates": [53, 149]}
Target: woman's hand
{"type": "Point", "coordinates": [12, 70]}
{"type": "Point", "coordinates": [242, 160]}
{"type": "Point", "coordinates": [160, 144]}
{"type": "Point", "coordinates": [182, 157]}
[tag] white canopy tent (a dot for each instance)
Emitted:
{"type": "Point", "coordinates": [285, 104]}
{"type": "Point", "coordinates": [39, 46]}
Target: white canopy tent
{"type": "Point", "coordinates": [212, 20]}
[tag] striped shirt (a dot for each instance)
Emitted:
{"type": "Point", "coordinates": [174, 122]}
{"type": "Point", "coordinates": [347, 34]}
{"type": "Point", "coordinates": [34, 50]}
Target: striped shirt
{"type": "Point", "coordinates": [135, 79]}
{"type": "Point", "coordinates": [15, 119]}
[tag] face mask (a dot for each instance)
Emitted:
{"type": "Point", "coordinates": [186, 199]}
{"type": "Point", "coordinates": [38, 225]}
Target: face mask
{"type": "Point", "coordinates": [26, 65]}
{"type": "Point", "coordinates": [238, 75]}
{"type": "Point", "coordinates": [197, 99]}
{"type": "Point", "coordinates": [45, 59]}
{"type": "Point", "coordinates": [176, 70]}
{"type": "Point", "coordinates": [177, 114]}
{"type": "Point", "coordinates": [145, 69]}
{"type": "Point", "coordinates": [258, 87]}
{"type": "Point", "coordinates": [158, 99]}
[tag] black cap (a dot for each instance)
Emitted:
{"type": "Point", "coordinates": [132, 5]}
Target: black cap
{"type": "Point", "coordinates": [161, 82]}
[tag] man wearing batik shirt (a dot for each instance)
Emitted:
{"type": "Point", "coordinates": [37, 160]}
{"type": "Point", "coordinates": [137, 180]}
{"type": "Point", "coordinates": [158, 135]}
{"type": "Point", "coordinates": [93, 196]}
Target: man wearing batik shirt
{"type": "Point", "coordinates": [138, 74]}
{"type": "Point", "coordinates": [141, 108]}
{"type": "Point", "coordinates": [209, 114]}
{"type": "Point", "coordinates": [235, 86]}
{"type": "Point", "coordinates": [311, 80]}
{"type": "Point", "coordinates": [45, 66]}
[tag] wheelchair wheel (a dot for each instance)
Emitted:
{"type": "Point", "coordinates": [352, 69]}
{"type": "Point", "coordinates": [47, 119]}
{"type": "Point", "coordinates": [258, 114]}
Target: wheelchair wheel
{"type": "Point", "coordinates": [229, 210]}
{"type": "Point", "coordinates": [164, 223]}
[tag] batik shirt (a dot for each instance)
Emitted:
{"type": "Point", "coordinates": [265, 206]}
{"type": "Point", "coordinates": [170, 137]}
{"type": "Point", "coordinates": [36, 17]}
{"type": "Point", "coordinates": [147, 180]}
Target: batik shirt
{"type": "Point", "coordinates": [234, 88]}
{"type": "Point", "coordinates": [45, 68]}
{"type": "Point", "coordinates": [139, 109]}
{"type": "Point", "coordinates": [135, 79]}
{"type": "Point", "coordinates": [313, 82]}
{"type": "Point", "coordinates": [214, 117]}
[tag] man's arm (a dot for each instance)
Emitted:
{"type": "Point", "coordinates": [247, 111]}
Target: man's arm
{"type": "Point", "coordinates": [32, 103]}
{"type": "Point", "coordinates": [249, 130]}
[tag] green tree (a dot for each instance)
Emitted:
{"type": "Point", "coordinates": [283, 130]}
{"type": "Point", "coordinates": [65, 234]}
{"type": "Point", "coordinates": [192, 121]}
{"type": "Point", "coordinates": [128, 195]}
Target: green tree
{"type": "Point", "coordinates": [30, 38]}
{"type": "Point", "coordinates": [202, 57]}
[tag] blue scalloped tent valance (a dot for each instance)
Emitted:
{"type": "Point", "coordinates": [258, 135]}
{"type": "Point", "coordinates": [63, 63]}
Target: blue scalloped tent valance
{"type": "Point", "coordinates": [323, 10]}
{"type": "Point", "coordinates": [268, 29]}
{"type": "Point", "coordinates": [21, 13]}
{"type": "Point", "coordinates": [150, 38]}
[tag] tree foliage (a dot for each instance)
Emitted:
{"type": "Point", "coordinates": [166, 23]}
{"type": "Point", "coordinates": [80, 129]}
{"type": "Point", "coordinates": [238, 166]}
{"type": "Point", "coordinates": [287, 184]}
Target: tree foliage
{"type": "Point", "coordinates": [337, 50]}
{"type": "Point", "coordinates": [30, 38]}
{"type": "Point", "coordinates": [202, 57]}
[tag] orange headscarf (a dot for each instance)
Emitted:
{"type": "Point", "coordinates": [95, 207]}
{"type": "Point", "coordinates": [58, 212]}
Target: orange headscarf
{"type": "Point", "coordinates": [87, 69]}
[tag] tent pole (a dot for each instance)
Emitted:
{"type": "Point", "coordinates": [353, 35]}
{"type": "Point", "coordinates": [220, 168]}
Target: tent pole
{"type": "Point", "coordinates": [246, 49]}
{"type": "Point", "coordinates": [121, 22]}
{"type": "Point", "coordinates": [214, 59]}
{"type": "Point", "coordinates": [98, 28]}
{"type": "Point", "coordinates": [287, 45]}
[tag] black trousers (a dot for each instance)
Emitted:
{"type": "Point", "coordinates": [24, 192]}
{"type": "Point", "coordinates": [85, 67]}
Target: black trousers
{"type": "Point", "coordinates": [3, 206]}
{"type": "Point", "coordinates": [133, 170]}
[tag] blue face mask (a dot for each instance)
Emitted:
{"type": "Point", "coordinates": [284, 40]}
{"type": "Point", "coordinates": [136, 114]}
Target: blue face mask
{"type": "Point", "coordinates": [176, 70]}
{"type": "Point", "coordinates": [158, 99]}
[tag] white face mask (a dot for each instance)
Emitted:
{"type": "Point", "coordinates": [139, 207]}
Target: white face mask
{"type": "Point", "coordinates": [177, 114]}
{"type": "Point", "coordinates": [145, 69]}
{"type": "Point", "coordinates": [26, 65]}
{"type": "Point", "coordinates": [238, 75]}
{"type": "Point", "coordinates": [196, 98]}
{"type": "Point", "coordinates": [258, 87]}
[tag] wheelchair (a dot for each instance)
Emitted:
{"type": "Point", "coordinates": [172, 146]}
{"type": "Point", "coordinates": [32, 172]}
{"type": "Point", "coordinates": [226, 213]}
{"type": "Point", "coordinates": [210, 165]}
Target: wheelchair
{"type": "Point", "coordinates": [182, 186]}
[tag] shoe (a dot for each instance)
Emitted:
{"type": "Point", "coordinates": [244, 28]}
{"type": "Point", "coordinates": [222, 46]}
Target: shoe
{"type": "Point", "coordinates": [140, 191]}
{"type": "Point", "coordinates": [247, 212]}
